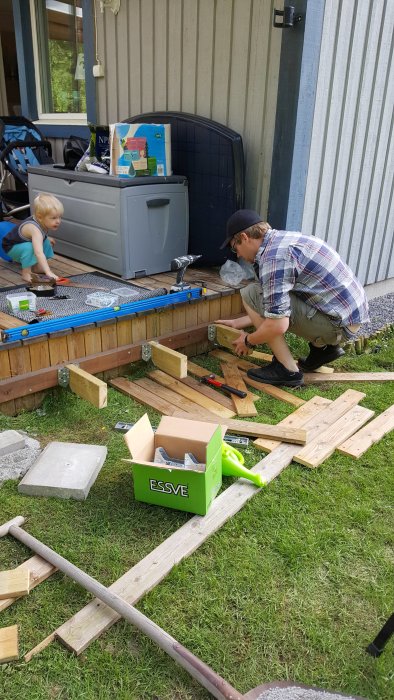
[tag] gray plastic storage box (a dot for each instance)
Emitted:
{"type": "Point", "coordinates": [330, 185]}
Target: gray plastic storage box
{"type": "Point", "coordinates": [131, 227]}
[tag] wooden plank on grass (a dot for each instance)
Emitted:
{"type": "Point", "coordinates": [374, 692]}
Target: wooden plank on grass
{"type": "Point", "coordinates": [9, 644]}
{"type": "Point", "coordinates": [214, 394]}
{"type": "Point", "coordinates": [176, 401]}
{"type": "Point", "coordinates": [323, 446]}
{"type": "Point", "coordinates": [170, 361]}
{"type": "Point", "coordinates": [87, 386]}
{"type": "Point", "coordinates": [356, 445]}
{"type": "Point", "coordinates": [38, 570]}
{"type": "Point", "coordinates": [202, 372]}
{"type": "Point", "coordinates": [142, 396]}
{"type": "Point", "coordinates": [307, 410]}
{"type": "Point", "coordinates": [14, 583]}
{"type": "Point", "coordinates": [240, 427]}
{"type": "Point", "coordinates": [243, 407]}
{"type": "Point", "coordinates": [244, 365]}
{"type": "Point", "coordinates": [191, 394]}
{"type": "Point", "coordinates": [316, 378]}
{"type": "Point", "coordinates": [90, 622]}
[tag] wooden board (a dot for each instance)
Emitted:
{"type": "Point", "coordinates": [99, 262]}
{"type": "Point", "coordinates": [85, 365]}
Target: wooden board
{"type": "Point", "coordinates": [213, 393]}
{"type": "Point", "coordinates": [87, 624]}
{"type": "Point", "coordinates": [239, 427]}
{"type": "Point", "coordinates": [87, 386]}
{"type": "Point", "coordinates": [9, 644]}
{"type": "Point", "coordinates": [190, 393]}
{"type": "Point", "coordinates": [174, 400]}
{"type": "Point", "coordinates": [225, 336]}
{"type": "Point", "coordinates": [170, 361]}
{"type": "Point", "coordinates": [7, 321]}
{"type": "Point", "coordinates": [243, 407]}
{"type": "Point", "coordinates": [356, 445]}
{"type": "Point", "coordinates": [202, 372]}
{"type": "Point", "coordinates": [38, 569]}
{"type": "Point", "coordinates": [14, 583]}
{"type": "Point", "coordinates": [244, 365]}
{"type": "Point", "coordinates": [322, 447]}
{"type": "Point", "coordinates": [316, 378]}
{"type": "Point", "coordinates": [307, 410]}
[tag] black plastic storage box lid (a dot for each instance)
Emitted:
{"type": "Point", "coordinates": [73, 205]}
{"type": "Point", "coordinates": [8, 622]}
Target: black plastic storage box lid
{"type": "Point", "coordinates": [107, 180]}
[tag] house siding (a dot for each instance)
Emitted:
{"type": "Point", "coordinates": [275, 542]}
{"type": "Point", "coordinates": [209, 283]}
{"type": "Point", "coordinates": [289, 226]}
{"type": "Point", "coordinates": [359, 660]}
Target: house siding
{"type": "Point", "coordinates": [215, 58]}
{"type": "Point", "coordinates": [349, 186]}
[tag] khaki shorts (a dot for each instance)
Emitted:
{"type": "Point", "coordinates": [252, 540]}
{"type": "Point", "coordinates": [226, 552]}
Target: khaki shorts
{"type": "Point", "coordinates": [305, 321]}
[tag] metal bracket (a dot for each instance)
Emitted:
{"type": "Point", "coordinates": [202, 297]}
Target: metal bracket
{"type": "Point", "coordinates": [289, 18]}
{"type": "Point", "coordinates": [63, 376]}
{"type": "Point", "coordinates": [212, 332]}
{"type": "Point", "coordinates": [146, 352]}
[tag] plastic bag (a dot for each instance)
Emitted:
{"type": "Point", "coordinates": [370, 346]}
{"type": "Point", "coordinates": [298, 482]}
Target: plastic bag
{"type": "Point", "coordinates": [231, 272]}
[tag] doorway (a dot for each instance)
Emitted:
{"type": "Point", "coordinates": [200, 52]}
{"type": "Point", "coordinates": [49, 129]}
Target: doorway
{"type": "Point", "coordinates": [10, 101]}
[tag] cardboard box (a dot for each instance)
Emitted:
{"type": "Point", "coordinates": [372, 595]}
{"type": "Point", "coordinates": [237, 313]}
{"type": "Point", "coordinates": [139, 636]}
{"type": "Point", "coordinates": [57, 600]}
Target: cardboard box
{"type": "Point", "coordinates": [158, 147]}
{"type": "Point", "coordinates": [182, 489]}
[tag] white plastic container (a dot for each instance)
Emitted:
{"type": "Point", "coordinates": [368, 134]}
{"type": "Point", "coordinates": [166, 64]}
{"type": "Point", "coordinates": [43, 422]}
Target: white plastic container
{"type": "Point", "coordinates": [125, 294]}
{"type": "Point", "coordinates": [102, 300]}
{"type": "Point", "coordinates": [23, 301]}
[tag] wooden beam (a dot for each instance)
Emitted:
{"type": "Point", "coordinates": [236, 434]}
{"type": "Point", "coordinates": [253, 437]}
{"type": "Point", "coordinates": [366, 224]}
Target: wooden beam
{"type": "Point", "coordinates": [240, 427]}
{"type": "Point", "coordinates": [214, 394]}
{"type": "Point", "coordinates": [225, 336]}
{"type": "Point", "coordinates": [307, 410]}
{"type": "Point", "coordinates": [38, 570]}
{"type": "Point", "coordinates": [316, 378]}
{"type": "Point", "coordinates": [175, 402]}
{"type": "Point", "coordinates": [188, 392]}
{"type": "Point", "coordinates": [87, 387]}
{"type": "Point", "coordinates": [170, 361]}
{"type": "Point", "coordinates": [31, 382]}
{"type": "Point", "coordinates": [9, 644]}
{"type": "Point", "coordinates": [243, 407]}
{"type": "Point", "coordinates": [7, 322]}
{"type": "Point", "coordinates": [244, 365]}
{"type": "Point", "coordinates": [322, 447]}
{"type": "Point", "coordinates": [14, 583]}
{"type": "Point", "coordinates": [356, 445]}
{"type": "Point", "coordinates": [87, 624]}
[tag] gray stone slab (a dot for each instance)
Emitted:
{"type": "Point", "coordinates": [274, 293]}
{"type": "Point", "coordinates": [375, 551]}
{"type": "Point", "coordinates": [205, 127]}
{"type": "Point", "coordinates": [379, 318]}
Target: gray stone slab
{"type": "Point", "coordinates": [10, 441]}
{"type": "Point", "coordinates": [64, 470]}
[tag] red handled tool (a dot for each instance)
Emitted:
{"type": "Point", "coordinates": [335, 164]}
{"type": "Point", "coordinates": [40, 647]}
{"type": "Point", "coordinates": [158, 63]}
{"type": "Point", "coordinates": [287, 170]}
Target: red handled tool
{"type": "Point", "coordinates": [210, 379]}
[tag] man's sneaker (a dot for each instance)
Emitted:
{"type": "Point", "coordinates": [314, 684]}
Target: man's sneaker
{"type": "Point", "coordinates": [276, 374]}
{"type": "Point", "coordinates": [319, 356]}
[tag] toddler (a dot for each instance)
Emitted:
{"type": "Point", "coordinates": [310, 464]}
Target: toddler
{"type": "Point", "coordinates": [28, 243]}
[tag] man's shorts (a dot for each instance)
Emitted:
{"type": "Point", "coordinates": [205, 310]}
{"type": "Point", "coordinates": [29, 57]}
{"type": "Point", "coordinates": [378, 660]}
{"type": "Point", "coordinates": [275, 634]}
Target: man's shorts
{"type": "Point", "coordinates": [23, 253]}
{"type": "Point", "coordinates": [305, 321]}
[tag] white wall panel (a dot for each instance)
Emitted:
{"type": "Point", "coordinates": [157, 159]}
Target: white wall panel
{"type": "Point", "coordinates": [349, 189]}
{"type": "Point", "coordinates": [215, 58]}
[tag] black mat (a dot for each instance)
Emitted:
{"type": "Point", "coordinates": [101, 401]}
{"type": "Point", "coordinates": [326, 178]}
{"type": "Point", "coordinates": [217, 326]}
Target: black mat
{"type": "Point", "coordinates": [75, 301]}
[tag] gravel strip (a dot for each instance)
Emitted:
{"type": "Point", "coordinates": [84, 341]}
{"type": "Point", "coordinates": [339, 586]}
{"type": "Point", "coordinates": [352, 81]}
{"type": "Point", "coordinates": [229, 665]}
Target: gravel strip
{"type": "Point", "coordinates": [381, 312]}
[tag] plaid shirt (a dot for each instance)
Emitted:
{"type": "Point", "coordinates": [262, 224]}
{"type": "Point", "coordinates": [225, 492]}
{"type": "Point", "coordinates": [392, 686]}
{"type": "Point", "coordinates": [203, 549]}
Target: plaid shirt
{"type": "Point", "coordinates": [307, 266]}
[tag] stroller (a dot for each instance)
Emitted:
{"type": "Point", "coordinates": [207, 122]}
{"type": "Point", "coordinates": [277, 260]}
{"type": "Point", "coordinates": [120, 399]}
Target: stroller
{"type": "Point", "coordinates": [21, 144]}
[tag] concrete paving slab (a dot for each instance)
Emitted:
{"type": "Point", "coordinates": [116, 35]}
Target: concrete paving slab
{"type": "Point", "coordinates": [10, 441]}
{"type": "Point", "coordinates": [64, 470]}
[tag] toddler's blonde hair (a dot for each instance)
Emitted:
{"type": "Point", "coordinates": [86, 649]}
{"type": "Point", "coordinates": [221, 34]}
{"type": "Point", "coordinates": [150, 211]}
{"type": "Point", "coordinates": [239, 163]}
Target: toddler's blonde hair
{"type": "Point", "coordinates": [45, 204]}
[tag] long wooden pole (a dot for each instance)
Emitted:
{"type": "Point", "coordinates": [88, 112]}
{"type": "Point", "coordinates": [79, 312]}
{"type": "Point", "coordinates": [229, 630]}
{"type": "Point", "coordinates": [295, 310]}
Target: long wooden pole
{"type": "Point", "coordinates": [210, 680]}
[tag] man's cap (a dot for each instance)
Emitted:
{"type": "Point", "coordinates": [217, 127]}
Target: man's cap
{"type": "Point", "coordinates": [239, 221]}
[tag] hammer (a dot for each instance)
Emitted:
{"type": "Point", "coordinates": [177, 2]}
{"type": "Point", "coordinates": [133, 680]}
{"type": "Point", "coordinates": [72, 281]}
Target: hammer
{"type": "Point", "coordinates": [210, 379]}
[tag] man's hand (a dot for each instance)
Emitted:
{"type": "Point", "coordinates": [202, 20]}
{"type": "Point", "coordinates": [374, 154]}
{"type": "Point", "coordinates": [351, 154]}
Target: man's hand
{"type": "Point", "coordinates": [239, 345]}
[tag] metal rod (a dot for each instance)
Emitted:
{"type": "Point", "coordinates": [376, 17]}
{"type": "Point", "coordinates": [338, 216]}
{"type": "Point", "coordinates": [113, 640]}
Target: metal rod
{"type": "Point", "coordinates": [205, 675]}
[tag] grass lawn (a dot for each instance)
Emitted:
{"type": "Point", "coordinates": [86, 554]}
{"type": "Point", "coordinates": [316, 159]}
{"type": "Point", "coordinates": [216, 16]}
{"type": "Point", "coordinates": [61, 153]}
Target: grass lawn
{"type": "Point", "coordinates": [293, 587]}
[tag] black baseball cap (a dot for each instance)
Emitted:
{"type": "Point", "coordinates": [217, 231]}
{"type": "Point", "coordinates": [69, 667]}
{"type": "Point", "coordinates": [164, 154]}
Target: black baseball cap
{"type": "Point", "coordinates": [239, 221]}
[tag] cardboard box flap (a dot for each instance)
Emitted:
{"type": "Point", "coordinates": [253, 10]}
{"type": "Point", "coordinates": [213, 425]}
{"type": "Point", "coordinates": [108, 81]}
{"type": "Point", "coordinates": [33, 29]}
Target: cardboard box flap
{"type": "Point", "coordinates": [140, 440]}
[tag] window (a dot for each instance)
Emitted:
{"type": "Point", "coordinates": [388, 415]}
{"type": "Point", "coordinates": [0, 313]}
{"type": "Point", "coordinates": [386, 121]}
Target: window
{"type": "Point", "coordinates": [59, 53]}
